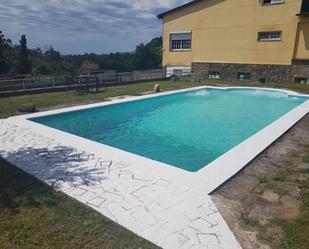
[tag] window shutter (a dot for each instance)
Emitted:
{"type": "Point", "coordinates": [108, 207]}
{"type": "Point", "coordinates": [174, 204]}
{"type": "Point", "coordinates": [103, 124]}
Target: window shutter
{"type": "Point", "coordinates": [181, 36]}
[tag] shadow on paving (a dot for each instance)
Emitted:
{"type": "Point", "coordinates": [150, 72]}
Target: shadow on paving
{"type": "Point", "coordinates": [33, 215]}
{"type": "Point", "coordinates": [61, 163]}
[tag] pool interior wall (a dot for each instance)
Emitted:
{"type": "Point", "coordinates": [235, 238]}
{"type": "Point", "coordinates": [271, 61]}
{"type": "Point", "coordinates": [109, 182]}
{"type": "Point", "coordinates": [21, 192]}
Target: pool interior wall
{"type": "Point", "coordinates": [187, 130]}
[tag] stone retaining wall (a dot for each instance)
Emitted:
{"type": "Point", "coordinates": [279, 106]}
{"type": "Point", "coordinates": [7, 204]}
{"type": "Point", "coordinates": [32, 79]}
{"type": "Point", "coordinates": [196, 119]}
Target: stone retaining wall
{"type": "Point", "coordinates": [271, 73]}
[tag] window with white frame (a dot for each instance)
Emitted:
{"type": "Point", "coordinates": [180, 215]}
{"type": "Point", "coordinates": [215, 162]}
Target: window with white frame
{"type": "Point", "coordinates": [243, 76]}
{"type": "Point", "coordinates": [267, 2]}
{"type": "Point", "coordinates": [270, 36]}
{"type": "Point", "coordinates": [180, 41]}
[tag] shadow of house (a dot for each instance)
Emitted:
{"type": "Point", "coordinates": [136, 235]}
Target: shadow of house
{"type": "Point", "coordinates": [305, 32]}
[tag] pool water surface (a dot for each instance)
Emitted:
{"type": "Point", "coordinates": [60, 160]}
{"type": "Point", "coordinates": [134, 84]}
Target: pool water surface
{"type": "Point", "coordinates": [187, 130]}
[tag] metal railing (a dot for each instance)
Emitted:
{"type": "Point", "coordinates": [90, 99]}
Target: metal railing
{"type": "Point", "coordinates": [67, 81]}
{"type": "Point", "coordinates": [30, 83]}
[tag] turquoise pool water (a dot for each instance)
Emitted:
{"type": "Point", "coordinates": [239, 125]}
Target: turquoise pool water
{"type": "Point", "coordinates": [187, 130]}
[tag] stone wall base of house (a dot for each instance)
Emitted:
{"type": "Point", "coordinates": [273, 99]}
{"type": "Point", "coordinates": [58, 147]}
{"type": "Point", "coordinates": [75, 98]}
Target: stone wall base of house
{"type": "Point", "coordinates": [297, 72]}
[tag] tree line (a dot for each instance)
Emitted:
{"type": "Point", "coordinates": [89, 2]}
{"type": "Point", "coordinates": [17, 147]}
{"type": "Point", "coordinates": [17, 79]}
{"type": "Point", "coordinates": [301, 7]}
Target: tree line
{"type": "Point", "coordinates": [19, 60]}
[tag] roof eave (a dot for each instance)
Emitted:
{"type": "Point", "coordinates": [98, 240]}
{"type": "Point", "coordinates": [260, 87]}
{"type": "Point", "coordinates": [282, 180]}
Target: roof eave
{"type": "Point", "coordinates": [304, 14]}
{"type": "Point", "coordinates": [160, 16]}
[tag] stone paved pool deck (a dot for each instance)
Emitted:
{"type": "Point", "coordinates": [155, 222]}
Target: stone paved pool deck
{"type": "Point", "coordinates": [163, 204]}
{"type": "Point", "coordinates": [151, 205]}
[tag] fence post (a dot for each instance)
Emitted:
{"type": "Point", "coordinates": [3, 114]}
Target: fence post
{"type": "Point", "coordinates": [97, 84]}
{"type": "Point", "coordinates": [53, 80]}
{"type": "Point", "coordinates": [24, 85]}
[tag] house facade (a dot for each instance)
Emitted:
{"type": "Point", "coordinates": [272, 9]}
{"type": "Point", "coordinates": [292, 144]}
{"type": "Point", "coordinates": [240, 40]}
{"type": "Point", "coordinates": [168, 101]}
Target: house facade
{"type": "Point", "coordinates": [266, 40]}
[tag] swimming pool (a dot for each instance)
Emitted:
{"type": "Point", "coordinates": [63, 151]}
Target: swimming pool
{"type": "Point", "coordinates": [187, 130]}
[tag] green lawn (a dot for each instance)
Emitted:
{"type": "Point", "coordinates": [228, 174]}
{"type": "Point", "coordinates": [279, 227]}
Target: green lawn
{"type": "Point", "coordinates": [9, 106]}
{"type": "Point", "coordinates": [33, 215]}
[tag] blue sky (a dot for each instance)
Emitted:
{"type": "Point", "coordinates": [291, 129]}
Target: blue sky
{"type": "Point", "coordinates": [79, 26]}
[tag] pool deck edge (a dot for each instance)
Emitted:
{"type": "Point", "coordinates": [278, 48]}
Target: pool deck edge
{"type": "Point", "coordinates": [137, 190]}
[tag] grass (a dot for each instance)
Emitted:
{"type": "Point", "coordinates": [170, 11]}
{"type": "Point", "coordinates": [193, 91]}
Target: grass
{"type": "Point", "coordinates": [263, 180]}
{"type": "Point", "coordinates": [295, 232]}
{"type": "Point", "coordinates": [279, 177]}
{"type": "Point", "coordinates": [32, 215]}
{"type": "Point", "coordinates": [9, 106]}
{"type": "Point", "coordinates": [264, 235]}
{"type": "Point", "coordinates": [249, 221]}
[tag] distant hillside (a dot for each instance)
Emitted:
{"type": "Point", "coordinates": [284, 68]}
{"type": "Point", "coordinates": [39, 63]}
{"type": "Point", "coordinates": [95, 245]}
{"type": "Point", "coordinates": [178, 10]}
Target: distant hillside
{"type": "Point", "coordinates": [17, 59]}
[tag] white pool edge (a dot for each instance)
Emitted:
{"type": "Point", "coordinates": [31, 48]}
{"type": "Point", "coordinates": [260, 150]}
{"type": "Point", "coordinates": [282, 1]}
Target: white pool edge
{"type": "Point", "coordinates": [206, 179]}
{"type": "Point", "coordinates": [198, 184]}
{"type": "Point", "coordinates": [241, 155]}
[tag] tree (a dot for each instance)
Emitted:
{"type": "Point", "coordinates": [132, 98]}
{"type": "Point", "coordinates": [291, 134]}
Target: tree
{"type": "Point", "coordinates": [18, 59]}
{"type": "Point", "coordinates": [54, 59]}
{"type": "Point", "coordinates": [149, 56]}
{"type": "Point", "coordinates": [141, 56]}
{"type": "Point", "coordinates": [4, 46]}
{"type": "Point", "coordinates": [24, 65]}
{"type": "Point", "coordinates": [37, 52]}
{"type": "Point", "coordinates": [155, 47]}
{"type": "Point", "coordinates": [52, 55]}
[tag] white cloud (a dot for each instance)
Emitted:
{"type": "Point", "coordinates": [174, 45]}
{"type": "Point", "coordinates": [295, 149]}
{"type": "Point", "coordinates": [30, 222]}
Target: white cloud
{"type": "Point", "coordinates": [82, 21]}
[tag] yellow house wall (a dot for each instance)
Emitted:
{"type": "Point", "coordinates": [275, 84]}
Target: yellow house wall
{"type": "Point", "coordinates": [302, 40]}
{"type": "Point", "coordinates": [225, 31]}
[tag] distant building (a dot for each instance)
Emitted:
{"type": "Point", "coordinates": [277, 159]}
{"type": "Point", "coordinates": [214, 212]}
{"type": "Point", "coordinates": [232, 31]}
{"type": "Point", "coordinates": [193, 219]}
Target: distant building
{"type": "Point", "coordinates": [266, 40]}
{"type": "Point", "coordinates": [89, 68]}
{"type": "Point", "coordinates": [108, 72]}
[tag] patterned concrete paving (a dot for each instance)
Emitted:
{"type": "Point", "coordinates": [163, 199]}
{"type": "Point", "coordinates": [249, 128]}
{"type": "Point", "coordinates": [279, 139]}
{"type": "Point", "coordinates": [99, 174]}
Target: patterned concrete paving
{"type": "Point", "coordinates": [153, 206]}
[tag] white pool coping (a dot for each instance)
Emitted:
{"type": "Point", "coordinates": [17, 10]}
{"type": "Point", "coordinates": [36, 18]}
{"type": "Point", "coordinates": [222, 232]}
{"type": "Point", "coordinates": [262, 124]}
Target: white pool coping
{"type": "Point", "coordinates": [161, 203]}
{"type": "Point", "coordinates": [208, 178]}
